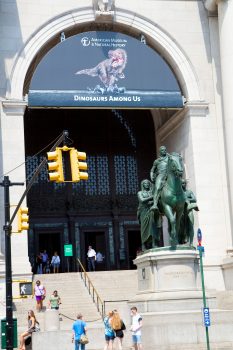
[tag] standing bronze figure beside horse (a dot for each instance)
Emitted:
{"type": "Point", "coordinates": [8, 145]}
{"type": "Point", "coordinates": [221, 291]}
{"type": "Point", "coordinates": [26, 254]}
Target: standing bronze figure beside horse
{"type": "Point", "coordinates": [166, 195]}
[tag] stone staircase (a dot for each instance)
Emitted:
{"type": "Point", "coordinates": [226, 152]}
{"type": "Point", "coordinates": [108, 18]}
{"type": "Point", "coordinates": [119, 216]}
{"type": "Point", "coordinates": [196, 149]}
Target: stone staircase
{"type": "Point", "coordinates": [114, 287]}
{"type": "Point", "coordinates": [74, 298]}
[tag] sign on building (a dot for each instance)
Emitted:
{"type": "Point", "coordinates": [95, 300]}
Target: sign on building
{"type": "Point", "coordinates": [104, 69]}
{"type": "Point", "coordinates": [68, 250]}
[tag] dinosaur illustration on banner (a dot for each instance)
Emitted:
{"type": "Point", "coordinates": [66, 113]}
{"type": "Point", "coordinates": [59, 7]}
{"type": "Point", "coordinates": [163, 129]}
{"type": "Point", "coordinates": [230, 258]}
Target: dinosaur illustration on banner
{"type": "Point", "coordinates": [109, 71]}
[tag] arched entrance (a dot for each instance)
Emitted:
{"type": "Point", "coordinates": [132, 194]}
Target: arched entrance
{"type": "Point", "coordinates": [101, 212]}
{"type": "Point", "coordinates": [120, 145]}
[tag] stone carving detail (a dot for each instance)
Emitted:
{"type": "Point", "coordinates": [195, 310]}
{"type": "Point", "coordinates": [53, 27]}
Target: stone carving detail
{"type": "Point", "coordinates": [104, 9]}
{"type": "Point", "coordinates": [105, 5]}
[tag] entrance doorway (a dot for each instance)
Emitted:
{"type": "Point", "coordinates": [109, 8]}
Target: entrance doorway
{"type": "Point", "coordinates": [134, 245]}
{"type": "Point", "coordinates": [51, 242]}
{"type": "Point", "coordinates": [96, 239]}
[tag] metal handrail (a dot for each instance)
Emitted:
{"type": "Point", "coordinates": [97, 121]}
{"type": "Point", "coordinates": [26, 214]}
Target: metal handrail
{"type": "Point", "coordinates": [91, 289]}
{"type": "Point", "coordinates": [113, 301]}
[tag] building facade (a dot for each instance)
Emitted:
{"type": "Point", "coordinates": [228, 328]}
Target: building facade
{"type": "Point", "coordinates": [194, 39]}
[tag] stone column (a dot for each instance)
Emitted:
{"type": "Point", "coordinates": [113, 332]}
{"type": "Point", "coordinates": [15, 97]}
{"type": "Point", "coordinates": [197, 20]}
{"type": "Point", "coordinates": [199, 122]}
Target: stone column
{"type": "Point", "coordinates": [225, 16]}
{"type": "Point", "coordinates": [12, 159]}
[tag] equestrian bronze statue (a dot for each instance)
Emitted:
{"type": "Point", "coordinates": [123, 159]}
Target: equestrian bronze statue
{"type": "Point", "coordinates": [166, 195]}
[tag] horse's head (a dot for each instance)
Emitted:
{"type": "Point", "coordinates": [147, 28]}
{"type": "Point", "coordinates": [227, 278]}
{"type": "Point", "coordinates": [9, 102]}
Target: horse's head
{"type": "Point", "coordinates": [175, 164]}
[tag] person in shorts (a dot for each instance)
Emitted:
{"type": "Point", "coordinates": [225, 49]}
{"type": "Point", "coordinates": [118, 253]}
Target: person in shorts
{"type": "Point", "coordinates": [40, 293]}
{"type": "Point", "coordinates": [136, 328]}
{"type": "Point", "coordinates": [119, 327]}
{"type": "Point", "coordinates": [55, 262]}
{"type": "Point", "coordinates": [109, 332]}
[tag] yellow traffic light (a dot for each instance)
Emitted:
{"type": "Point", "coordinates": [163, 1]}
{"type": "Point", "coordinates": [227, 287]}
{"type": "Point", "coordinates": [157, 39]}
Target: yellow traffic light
{"type": "Point", "coordinates": [55, 166]}
{"type": "Point", "coordinates": [23, 219]}
{"type": "Point", "coordinates": [76, 165]}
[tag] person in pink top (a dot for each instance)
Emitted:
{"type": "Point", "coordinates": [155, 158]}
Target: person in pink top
{"type": "Point", "coordinates": [40, 293]}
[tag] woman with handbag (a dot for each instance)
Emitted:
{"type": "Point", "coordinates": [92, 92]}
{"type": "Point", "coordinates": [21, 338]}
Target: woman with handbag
{"type": "Point", "coordinates": [79, 336]}
{"type": "Point", "coordinates": [118, 326]}
{"type": "Point", "coordinates": [40, 293]}
{"type": "Point", "coordinates": [33, 326]}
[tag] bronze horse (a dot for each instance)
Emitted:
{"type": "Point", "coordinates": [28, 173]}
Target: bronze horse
{"type": "Point", "coordinates": [172, 198]}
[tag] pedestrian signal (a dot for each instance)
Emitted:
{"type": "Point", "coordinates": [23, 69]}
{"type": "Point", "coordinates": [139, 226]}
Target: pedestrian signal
{"type": "Point", "coordinates": [76, 165]}
{"type": "Point", "coordinates": [23, 219]}
{"type": "Point", "coordinates": [55, 165]}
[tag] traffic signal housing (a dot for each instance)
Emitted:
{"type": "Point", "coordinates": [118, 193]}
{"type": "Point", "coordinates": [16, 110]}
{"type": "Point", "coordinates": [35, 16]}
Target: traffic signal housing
{"type": "Point", "coordinates": [77, 165]}
{"type": "Point", "coordinates": [55, 165]}
{"type": "Point", "coordinates": [23, 219]}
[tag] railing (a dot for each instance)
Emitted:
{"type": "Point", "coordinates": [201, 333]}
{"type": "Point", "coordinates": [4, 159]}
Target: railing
{"type": "Point", "coordinates": [91, 289]}
{"type": "Point", "coordinates": [113, 301]}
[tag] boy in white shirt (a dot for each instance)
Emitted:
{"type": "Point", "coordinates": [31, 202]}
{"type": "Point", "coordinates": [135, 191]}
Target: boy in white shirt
{"type": "Point", "coordinates": [136, 328]}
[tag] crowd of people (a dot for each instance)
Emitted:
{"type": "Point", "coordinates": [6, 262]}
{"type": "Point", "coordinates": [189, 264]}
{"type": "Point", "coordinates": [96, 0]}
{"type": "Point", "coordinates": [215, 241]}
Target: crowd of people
{"type": "Point", "coordinates": [44, 264]}
{"type": "Point", "coordinates": [114, 326]}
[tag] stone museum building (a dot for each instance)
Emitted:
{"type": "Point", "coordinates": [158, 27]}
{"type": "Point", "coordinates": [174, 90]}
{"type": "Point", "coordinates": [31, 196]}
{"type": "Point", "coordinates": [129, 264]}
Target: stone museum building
{"type": "Point", "coordinates": [174, 88]}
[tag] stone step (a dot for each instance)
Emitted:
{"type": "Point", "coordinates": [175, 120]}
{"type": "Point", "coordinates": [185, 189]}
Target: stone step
{"type": "Point", "coordinates": [111, 285]}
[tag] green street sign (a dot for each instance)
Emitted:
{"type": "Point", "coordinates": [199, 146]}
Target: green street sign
{"type": "Point", "coordinates": [68, 250]}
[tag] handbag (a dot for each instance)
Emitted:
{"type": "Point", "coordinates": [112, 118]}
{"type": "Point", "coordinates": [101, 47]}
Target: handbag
{"type": "Point", "coordinates": [37, 328]}
{"type": "Point", "coordinates": [83, 339]}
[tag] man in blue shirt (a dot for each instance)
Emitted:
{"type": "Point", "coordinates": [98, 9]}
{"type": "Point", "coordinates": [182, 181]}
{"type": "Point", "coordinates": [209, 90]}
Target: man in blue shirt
{"type": "Point", "coordinates": [79, 328]}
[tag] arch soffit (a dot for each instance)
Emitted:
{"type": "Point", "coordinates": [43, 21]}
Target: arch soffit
{"type": "Point", "coordinates": [166, 45]}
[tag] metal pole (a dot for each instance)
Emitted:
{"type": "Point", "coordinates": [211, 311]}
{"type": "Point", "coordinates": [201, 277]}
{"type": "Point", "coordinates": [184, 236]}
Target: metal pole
{"type": "Point", "coordinates": [8, 269]}
{"type": "Point", "coordinates": [203, 295]}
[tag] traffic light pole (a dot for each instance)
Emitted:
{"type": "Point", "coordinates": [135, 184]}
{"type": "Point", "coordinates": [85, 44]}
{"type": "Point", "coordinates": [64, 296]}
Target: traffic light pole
{"type": "Point", "coordinates": [8, 270]}
{"type": "Point", "coordinates": [7, 228]}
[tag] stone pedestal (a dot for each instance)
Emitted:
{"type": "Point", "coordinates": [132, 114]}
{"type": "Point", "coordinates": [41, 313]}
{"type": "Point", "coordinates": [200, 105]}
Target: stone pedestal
{"type": "Point", "coordinates": [169, 298]}
{"type": "Point", "coordinates": [169, 279]}
{"type": "Point", "coordinates": [52, 322]}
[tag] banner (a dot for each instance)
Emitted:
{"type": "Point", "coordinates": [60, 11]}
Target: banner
{"type": "Point", "coordinates": [104, 69]}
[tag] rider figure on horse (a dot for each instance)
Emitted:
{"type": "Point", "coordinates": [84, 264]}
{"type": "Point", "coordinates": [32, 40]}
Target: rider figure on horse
{"type": "Point", "coordinates": [158, 175]}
